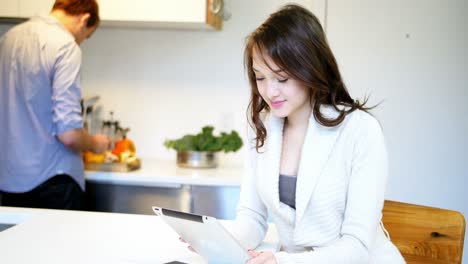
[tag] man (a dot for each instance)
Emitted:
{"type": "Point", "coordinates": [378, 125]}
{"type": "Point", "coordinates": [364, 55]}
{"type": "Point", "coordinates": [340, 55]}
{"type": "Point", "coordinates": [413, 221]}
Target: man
{"type": "Point", "coordinates": [41, 128]}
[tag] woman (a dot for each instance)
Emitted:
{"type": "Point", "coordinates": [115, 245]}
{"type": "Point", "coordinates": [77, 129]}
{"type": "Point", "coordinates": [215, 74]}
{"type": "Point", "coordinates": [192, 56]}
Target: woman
{"type": "Point", "coordinates": [310, 133]}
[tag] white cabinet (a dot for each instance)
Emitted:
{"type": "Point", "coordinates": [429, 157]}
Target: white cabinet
{"type": "Point", "coordinates": [135, 13]}
{"type": "Point", "coordinates": [154, 10]}
{"type": "Point", "coordinates": [25, 8]}
{"type": "Point", "coordinates": [9, 8]}
{"type": "Point", "coordinates": [31, 8]}
{"type": "Point", "coordinates": [159, 13]}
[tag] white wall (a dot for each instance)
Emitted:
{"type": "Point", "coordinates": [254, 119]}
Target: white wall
{"type": "Point", "coordinates": [414, 56]}
{"type": "Point", "coordinates": [166, 83]}
{"type": "Point", "coordinates": [411, 54]}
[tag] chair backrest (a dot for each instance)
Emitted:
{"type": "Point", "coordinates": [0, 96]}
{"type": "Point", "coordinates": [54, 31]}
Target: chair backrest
{"type": "Point", "coordinates": [425, 234]}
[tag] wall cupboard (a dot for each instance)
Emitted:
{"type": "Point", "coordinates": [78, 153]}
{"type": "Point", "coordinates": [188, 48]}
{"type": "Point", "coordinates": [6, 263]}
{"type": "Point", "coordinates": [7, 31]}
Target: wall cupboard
{"type": "Point", "coordinates": [184, 14]}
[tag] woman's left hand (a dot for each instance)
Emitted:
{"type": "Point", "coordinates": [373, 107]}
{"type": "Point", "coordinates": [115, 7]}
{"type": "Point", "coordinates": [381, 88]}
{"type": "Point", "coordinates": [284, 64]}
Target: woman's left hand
{"type": "Point", "coordinates": [262, 257]}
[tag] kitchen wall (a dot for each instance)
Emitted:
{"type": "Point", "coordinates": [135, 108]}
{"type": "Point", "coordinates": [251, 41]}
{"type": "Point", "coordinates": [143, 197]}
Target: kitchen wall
{"type": "Point", "coordinates": [411, 55]}
{"type": "Point", "coordinates": [166, 83]}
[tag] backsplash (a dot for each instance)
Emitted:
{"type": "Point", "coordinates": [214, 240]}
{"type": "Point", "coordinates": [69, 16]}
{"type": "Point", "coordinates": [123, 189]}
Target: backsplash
{"type": "Point", "coordinates": [167, 83]}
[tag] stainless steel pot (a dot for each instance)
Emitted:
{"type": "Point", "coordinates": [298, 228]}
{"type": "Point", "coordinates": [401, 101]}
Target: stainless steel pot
{"type": "Point", "coordinates": [197, 159]}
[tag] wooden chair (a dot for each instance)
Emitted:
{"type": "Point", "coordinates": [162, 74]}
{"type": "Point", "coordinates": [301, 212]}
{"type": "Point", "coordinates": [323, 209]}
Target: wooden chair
{"type": "Point", "coordinates": [425, 234]}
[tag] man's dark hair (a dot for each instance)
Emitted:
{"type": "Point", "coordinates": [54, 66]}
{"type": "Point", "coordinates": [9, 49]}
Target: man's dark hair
{"type": "Point", "coordinates": [78, 7]}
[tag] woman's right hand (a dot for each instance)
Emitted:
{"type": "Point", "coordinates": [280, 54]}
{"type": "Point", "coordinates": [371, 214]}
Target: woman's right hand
{"type": "Point", "coordinates": [262, 257]}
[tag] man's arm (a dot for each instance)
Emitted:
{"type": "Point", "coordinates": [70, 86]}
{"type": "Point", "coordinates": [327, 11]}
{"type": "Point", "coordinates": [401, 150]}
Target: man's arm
{"type": "Point", "coordinates": [81, 140]}
{"type": "Point", "coordinates": [66, 95]}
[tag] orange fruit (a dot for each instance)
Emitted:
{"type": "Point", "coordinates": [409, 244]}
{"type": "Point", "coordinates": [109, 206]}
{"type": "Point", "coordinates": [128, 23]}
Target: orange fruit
{"type": "Point", "coordinates": [123, 145]}
{"type": "Point", "coordinates": [90, 157]}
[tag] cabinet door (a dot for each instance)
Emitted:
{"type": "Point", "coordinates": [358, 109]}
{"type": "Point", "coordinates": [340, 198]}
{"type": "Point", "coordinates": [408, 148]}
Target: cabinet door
{"type": "Point", "coordinates": [31, 8]}
{"type": "Point", "coordinates": [9, 8]}
{"type": "Point", "coordinates": [129, 199]}
{"type": "Point", "coordinates": [154, 10]}
{"type": "Point", "coordinates": [218, 201]}
{"type": "Point", "coordinates": [135, 13]}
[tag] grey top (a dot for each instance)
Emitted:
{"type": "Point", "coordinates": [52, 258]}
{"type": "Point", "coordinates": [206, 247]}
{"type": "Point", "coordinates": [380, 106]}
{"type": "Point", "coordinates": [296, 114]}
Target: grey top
{"type": "Point", "coordinates": [287, 190]}
{"type": "Point", "coordinates": [39, 99]}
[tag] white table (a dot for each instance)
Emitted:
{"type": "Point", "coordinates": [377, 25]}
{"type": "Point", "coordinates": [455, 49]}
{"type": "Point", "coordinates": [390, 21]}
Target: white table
{"type": "Point", "coordinates": [56, 236]}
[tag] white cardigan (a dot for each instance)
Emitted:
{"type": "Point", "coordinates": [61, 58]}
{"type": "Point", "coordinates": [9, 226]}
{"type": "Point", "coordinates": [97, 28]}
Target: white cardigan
{"type": "Point", "coordinates": [339, 194]}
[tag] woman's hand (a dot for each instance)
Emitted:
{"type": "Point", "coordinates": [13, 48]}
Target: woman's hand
{"type": "Point", "coordinates": [262, 257]}
{"type": "Point", "coordinates": [189, 247]}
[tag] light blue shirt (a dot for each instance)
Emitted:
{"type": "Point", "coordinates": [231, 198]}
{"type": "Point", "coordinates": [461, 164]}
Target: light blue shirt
{"type": "Point", "coordinates": [39, 99]}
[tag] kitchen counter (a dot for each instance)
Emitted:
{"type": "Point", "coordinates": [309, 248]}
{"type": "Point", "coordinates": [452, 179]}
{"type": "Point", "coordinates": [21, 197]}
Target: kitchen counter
{"type": "Point", "coordinates": [56, 236]}
{"type": "Point", "coordinates": [161, 173]}
{"type": "Point", "coordinates": [213, 192]}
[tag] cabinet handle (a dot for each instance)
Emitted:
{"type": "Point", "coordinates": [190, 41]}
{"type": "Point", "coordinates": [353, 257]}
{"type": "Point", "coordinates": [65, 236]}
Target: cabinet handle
{"type": "Point", "coordinates": [216, 6]}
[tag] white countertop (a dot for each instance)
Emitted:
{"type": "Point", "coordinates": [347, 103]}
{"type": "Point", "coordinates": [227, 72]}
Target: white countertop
{"type": "Point", "coordinates": [166, 173]}
{"type": "Point", "coordinates": [56, 236]}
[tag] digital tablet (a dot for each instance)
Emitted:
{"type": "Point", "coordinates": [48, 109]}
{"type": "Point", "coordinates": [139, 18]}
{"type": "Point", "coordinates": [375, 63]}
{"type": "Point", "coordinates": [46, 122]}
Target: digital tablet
{"type": "Point", "coordinates": [206, 235]}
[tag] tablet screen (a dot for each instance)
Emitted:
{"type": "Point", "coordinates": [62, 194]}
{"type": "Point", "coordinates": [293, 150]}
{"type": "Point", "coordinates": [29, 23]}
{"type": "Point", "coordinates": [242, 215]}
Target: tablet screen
{"type": "Point", "coordinates": [206, 235]}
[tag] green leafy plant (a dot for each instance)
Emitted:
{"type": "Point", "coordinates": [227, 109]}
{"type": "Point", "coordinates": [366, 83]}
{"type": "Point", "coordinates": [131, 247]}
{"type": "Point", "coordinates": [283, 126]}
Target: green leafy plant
{"type": "Point", "coordinates": [206, 141]}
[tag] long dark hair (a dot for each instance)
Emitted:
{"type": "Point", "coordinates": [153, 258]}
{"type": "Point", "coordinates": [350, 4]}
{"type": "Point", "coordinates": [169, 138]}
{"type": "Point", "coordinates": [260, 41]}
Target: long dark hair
{"type": "Point", "coordinates": [295, 41]}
